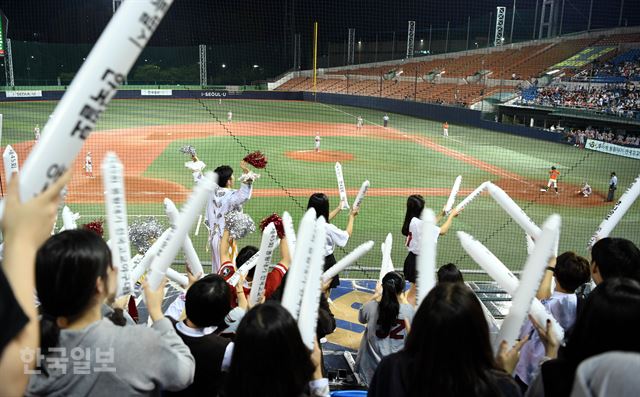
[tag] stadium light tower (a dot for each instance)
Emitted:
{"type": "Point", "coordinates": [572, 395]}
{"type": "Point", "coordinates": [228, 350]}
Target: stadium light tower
{"type": "Point", "coordinates": [411, 36]}
{"type": "Point", "coordinates": [351, 47]}
{"type": "Point", "coordinates": [499, 36]}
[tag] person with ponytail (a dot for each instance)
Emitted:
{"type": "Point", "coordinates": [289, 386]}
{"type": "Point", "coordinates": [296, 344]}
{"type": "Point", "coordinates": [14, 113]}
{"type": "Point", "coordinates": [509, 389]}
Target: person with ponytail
{"type": "Point", "coordinates": [335, 235]}
{"type": "Point", "coordinates": [85, 354]}
{"type": "Point", "coordinates": [412, 229]}
{"type": "Point", "coordinates": [387, 315]}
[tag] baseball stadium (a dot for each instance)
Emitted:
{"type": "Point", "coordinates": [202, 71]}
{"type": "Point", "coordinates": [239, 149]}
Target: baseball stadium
{"type": "Point", "coordinates": [539, 101]}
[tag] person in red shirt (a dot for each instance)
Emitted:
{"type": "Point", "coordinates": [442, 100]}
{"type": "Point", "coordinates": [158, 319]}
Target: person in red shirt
{"type": "Point", "coordinates": [228, 269]}
{"type": "Point", "coordinates": [553, 180]}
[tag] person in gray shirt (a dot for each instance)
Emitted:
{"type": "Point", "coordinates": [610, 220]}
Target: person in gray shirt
{"type": "Point", "coordinates": [83, 353]}
{"type": "Point", "coordinates": [387, 324]}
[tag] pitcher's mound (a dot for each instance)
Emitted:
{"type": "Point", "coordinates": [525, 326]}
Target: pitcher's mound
{"type": "Point", "coordinates": [324, 156]}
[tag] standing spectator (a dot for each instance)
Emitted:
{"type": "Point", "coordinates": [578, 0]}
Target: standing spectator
{"type": "Point", "coordinates": [387, 324]}
{"type": "Point", "coordinates": [385, 121]}
{"type": "Point", "coordinates": [613, 185]}
{"type": "Point", "coordinates": [614, 257]}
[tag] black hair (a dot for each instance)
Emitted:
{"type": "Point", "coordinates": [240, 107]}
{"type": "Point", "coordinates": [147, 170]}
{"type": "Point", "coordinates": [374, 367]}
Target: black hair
{"type": "Point", "coordinates": [67, 267]}
{"type": "Point", "coordinates": [450, 273]}
{"type": "Point", "coordinates": [415, 205]}
{"type": "Point", "coordinates": [610, 321]}
{"type": "Point", "coordinates": [244, 255]}
{"type": "Point", "coordinates": [267, 333]}
{"type": "Point", "coordinates": [466, 366]}
{"type": "Point", "coordinates": [616, 257]}
{"type": "Point", "coordinates": [224, 174]}
{"type": "Point", "coordinates": [553, 168]}
{"type": "Point", "coordinates": [320, 203]}
{"type": "Point", "coordinates": [571, 271]}
{"type": "Point", "coordinates": [613, 173]}
{"type": "Point", "coordinates": [207, 301]}
{"type": "Point", "coordinates": [389, 306]}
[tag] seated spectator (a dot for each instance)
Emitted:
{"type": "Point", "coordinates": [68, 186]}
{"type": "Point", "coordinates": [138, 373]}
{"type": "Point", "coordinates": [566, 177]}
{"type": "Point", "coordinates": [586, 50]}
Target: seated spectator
{"type": "Point", "coordinates": [447, 352]}
{"type": "Point", "coordinates": [608, 374]}
{"type": "Point", "coordinates": [609, 322]}
{"type": "Point", "coordinates": [207, 305]}
{"type": "Point", "coordinates": [570, 271]}
{"type": "Point", "coordinates": [268, 335]}
{"type": "Point", "coordinates": [387, 324]}
{"type": "Point", "coordinates": [74, 276]}
{"type": "Point", "coordinates": [25, 226]}
{"type": "Point", "coordinates": [449, 273]}
{"type": "Point", "coordinates": [614, 257]}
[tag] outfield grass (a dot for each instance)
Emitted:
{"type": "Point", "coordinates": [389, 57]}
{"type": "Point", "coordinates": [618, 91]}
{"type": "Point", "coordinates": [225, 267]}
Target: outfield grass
{"type": "Point", "coordinates": [385, 163]}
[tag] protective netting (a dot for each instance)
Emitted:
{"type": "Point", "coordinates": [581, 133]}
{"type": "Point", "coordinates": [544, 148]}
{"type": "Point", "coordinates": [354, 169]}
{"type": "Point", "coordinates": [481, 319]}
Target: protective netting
{"type": "Point", "coordinates": [513, 111]}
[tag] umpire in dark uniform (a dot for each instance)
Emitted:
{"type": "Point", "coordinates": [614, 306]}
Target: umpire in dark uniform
{"type": "Point", "coordinates": [613, 185]}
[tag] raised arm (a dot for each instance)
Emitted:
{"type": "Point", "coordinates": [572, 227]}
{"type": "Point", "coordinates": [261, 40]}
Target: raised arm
{"type": "Point", "coordinates": [544, 292]}
{"type": "Point", "coordinates": [447, 224]}
{"type": "Point", "coordinates": [335, 212]}
{"type": "Point", "coordinates": [284, 253]}
{"type": "Point", "coordinates": [352, 217]}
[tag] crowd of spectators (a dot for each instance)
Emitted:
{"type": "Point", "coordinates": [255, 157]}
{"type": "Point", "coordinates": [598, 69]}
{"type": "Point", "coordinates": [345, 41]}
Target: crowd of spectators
{"type": "Point", "coordinates": [621, 100]}
{"type": "Point", "coordinates": [629, 70]}
{"type": "Point", "coordinates": [579, 137]}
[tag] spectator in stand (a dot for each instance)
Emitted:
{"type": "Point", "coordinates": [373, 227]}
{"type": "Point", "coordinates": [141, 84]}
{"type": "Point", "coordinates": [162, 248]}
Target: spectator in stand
{"type": "Point", "coordinates": [25, 227]}
{"type": "Point", "coordinates": [429, 366]}
{"type": "Point", "coordinates": [609, 322]}
{"type": "Point", "coordinates": [268, 335]}
{"type": "Point", "coordinates": [614, 257]}
{"type": "Point", "coordinates": [207, 305]}
{"type": "Point", "coordinates": [570, 271]}
{"type": "Point", "coordinates": [449, 273]}
{"type": "Point", "coordinates": [387, 315]}
{"type": "Point", "coordinates": [74, 275]}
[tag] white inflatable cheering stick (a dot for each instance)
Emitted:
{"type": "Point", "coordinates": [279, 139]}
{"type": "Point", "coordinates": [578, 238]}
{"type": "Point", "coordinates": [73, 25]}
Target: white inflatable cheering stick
{"type": "Point", "coordinates": [177, 233]}
{"type": "Point", "coordinates": [10, 160]}
{"type": "Point", "coordinates": [345, 262]}
{"type": "Point", "coordinates": [617, 212]}
{"type": "Point", "coordinates": [514, 211]}
{"type": "Point", "coordinates": [386, 266]}
{"type": "Point", "coordinates": [506, 279]}
{"type": "Point", "coordinates": [87, 97]}
{"type": "Point", "coordinates": [267, 245]}
{"type": "Point", "coordinates": [189, 252]}
{"type": "Point", "coordinates": [341, 187]}
{"type": "Point", "coordinates": [363, 191]}
{"type": "Point", "coordinates": [472, 196]}
{"type": "Point", "coordinates": [452, 196]}
{"type": "Point", "coordinates": [426, 264]}
{"type": "Point", "coordinates": [115, 203]}
{"type": "Point", "coordinates": [529, 282]}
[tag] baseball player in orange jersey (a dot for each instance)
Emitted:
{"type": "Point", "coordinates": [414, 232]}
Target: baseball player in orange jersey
{"type": "Point", "coordinates": [553, 180]}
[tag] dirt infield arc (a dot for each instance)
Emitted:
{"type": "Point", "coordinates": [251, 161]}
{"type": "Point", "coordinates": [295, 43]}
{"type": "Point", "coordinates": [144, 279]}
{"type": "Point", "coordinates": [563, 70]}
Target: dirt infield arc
{"type": "Point", "coordinates": [139, 147]}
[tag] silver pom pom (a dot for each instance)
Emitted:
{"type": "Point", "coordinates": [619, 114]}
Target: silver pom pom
{"type": "Point", "coordinates": [190, 150]}
{"type": "Point", "coordinates": [238, 224]}
{"type": "Point", "coordinates": [144, 232]}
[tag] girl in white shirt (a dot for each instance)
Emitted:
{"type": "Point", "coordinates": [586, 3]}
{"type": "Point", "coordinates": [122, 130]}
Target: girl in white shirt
{"type": "Point", "coordinates": [412, 229]}
{"type": "Point", "coordinates": [335, 235]}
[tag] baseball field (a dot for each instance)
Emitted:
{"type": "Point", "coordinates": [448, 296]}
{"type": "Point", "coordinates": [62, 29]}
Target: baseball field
{"type": "Point", "coordinates": [409, 157]}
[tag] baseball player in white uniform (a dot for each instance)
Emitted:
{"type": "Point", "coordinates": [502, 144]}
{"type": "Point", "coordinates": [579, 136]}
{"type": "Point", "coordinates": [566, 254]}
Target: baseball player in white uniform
{"type": "Point", "coordinates": [36, 132]}
{"type": "Point", "coordinates": [318, 143]}
{"type": "Point", "coordinates": [88, 165]}
{"type": "Point", "coordinates": [359, 122]}
{"type": "Point", "coordinates": [229, 116]}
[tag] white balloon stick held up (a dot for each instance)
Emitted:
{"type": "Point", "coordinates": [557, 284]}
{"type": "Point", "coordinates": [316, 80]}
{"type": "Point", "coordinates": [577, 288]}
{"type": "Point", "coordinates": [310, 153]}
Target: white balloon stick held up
{"type": "Point", "coordinates": [617, 212]}
{"type": "Point", "coordinates": [198, 225]}
{"type": "Point", "coordinates": [69, 219]}
{"type": "Point", "coordinates": [177, 233]}
{"type": "Point", "coordinates": [505, 279]}
{"type": "Point", "coordinates": [10, 161]}
{"type": "Point", "coordinates": [514, 211]}
{"type": "Point", "coordinates": [178, 278]}
{"type": "Point", "coordinates": [297, 275]}
{"type": "Point", "coordinates": [452, 196]}
{"type": "Point", "coordinates": [310, 303]}
{"type": "Point", "coordinates": [348, 260]}
{"type": "Point", "coordinates": [472, 196]}
{"type": "Point", "coordinates": [342, 190]}
{"type": "Point", "coordinates": [529, 282]}
{"type": "Point", "coordinates": [426, 263]}
{"type": "Point", "coordinates": [289, 232]}
{"type": "Point", "coordinates": [530, 244]}
{"type": "Point", "coordinates": [243, 270]}
{"type": "Point", "coordinates": [86, 99]}
{"type": "Point", "coordinates": [267, 245]}
{"type": "Point", "coordinates": [386, 256]}
{"type": "Point", "coordinates": [117, 225]}
{"type": "Point", "coordinates": [189, 251]}
{"type": "Point", "coordinates": [361, 193]}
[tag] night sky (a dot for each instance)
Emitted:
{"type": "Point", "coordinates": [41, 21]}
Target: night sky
{"type": "Point", "coordinates": [213, 21]}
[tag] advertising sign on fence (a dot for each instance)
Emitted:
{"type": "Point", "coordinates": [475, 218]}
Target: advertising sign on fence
{"type": "Point", "coordinates": [23, 94]}
{"type": "Point", "coordinates": [156, 92]}
{"type": "Point", "coordinates": [610, 148]}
